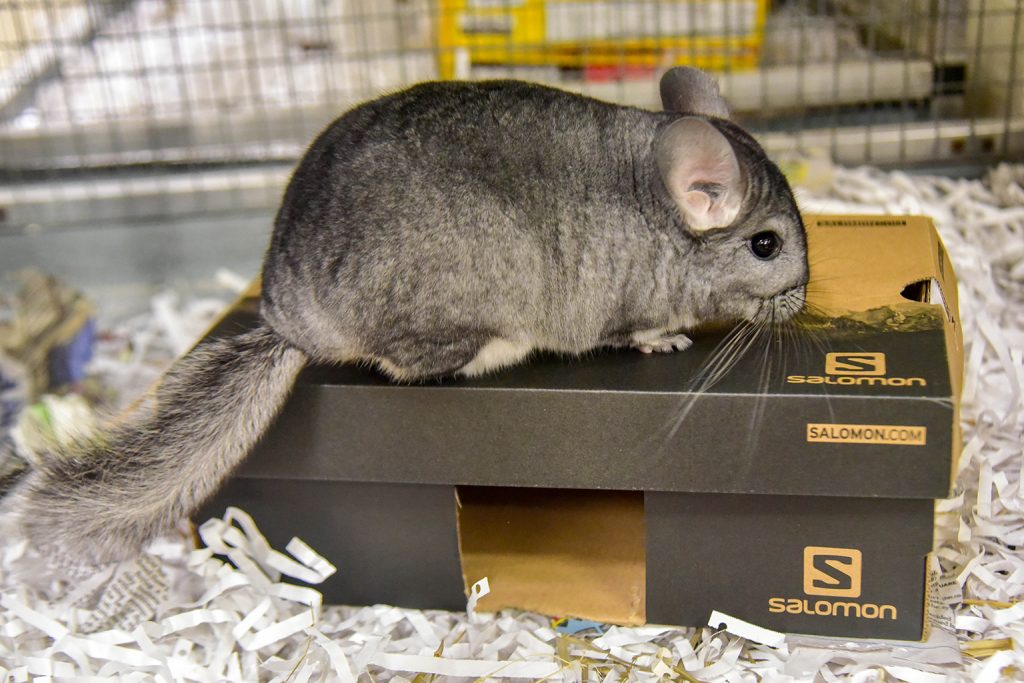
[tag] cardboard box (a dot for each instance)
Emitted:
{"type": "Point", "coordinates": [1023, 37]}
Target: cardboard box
{"type": "Point", "coordinates": [797, 493]}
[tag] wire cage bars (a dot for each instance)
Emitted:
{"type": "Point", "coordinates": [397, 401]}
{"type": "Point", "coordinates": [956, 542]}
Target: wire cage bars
{"type": "Point", "coordinates": [112, 108]}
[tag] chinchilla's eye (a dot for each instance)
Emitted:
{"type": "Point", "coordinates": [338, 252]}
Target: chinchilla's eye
{"type": "Point", "coordinates": [766, 245]}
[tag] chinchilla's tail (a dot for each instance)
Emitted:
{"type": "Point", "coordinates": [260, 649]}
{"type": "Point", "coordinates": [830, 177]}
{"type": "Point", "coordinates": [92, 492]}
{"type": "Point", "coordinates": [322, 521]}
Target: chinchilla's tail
{"type": "Point", "coordinates": [103, 499]}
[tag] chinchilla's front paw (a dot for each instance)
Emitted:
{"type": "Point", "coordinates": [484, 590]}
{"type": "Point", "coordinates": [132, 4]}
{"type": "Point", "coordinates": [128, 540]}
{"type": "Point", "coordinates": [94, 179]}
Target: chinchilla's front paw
{"type": "Point", "coordinates": [666, 344]}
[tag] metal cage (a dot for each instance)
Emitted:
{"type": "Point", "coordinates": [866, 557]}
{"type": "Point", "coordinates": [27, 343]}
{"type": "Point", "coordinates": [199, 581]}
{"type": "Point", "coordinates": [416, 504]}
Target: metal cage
{"type": "Point", "coordinates": [144, 108]}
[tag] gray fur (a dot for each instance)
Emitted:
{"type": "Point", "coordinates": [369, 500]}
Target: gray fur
{"type": "Point", "coordinates": [692, 91]}
{"type": "Point", "coordinates": [424, 224]}
{"type": "Point", "coordinates": [134, 479]}
{"type": "Point", "coordinates": [12, 467]}
{"type": "Point", "coordinates": [419, 230]}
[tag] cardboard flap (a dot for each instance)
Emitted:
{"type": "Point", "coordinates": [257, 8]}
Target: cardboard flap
{"type": "Point", "coordinates": [860, 263]}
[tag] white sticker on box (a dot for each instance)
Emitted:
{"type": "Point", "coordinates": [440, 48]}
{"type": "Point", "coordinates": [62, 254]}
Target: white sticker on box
{"type": "Point", "coordinates": [746, 630]}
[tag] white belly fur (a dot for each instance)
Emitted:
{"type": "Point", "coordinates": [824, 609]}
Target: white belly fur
{"type": "Point", "coordinates": [496, 353]}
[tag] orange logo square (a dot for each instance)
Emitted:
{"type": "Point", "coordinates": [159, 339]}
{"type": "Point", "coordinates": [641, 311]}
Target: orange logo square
{"type": "Point", "coordinates": [855, 363]}
{"type": "Point", "coordinates": [832, 571]}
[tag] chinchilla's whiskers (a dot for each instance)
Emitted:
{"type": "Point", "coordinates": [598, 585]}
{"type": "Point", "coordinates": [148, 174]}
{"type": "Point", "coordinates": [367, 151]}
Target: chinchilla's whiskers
{"type": "Point", "coordinates": [821, 259]}
{"type": "Point", "coordinates": [813, 342]}
{"type": "Point", "coordinates": [802, 323]}
{"type": "Point", "coordinates": [794, 343]}
{"type": "Point", "coordinates": [826, 286]}
{"type": "Point", "coordinates": [720, 367]}
{"type": "Point", "coordinates": [760, 398]}
{"type": "Point", "coordinates": [802, 313]}
{"type": "Point", "coordinates": [785, 317]}
{"type": "Point", "coordinates": [831, 278]}
{"type": "Point", "coordinates": [773, 347]}
{"type": "Point", "coordinates": [805, 324]}
{"type": "Point", "coordinates": [725, 356]}
{"type": "Point", "coordinates": [804, 308]}
{"type": "Point", "coordinates": [822, 263]}
{"type": "Point", "coordinates": [775, 327]}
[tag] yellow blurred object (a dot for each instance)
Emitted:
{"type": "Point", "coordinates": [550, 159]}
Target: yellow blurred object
{"type": "Point", "coordinates": [710, 34]}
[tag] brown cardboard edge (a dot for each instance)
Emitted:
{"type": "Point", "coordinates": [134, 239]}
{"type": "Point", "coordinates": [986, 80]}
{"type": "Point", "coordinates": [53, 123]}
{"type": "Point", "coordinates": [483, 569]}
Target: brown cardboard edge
{"type": "Point", "coordinates": [466, 585]}
{"type": "Point", "coordinates": [953, 329]}
{"type": "Point", "coordinates": [929, 588]}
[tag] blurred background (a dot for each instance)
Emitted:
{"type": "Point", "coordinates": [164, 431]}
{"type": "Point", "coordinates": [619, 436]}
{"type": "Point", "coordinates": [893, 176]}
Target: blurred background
{"type": "Point", "coordinates": [144, 144]}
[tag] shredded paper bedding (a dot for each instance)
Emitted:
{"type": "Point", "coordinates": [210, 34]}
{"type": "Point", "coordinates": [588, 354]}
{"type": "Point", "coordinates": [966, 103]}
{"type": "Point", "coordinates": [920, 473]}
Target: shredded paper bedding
{"type": "Point", "coordinates": [179, 613]}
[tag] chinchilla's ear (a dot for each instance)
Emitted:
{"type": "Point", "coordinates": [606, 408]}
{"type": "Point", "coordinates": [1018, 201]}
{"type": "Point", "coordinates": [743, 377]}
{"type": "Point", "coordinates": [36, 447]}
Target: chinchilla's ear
{"type": "Point", "coordinates": [701, 172]}
{"type": "Point", "coordinates": [691, 91]}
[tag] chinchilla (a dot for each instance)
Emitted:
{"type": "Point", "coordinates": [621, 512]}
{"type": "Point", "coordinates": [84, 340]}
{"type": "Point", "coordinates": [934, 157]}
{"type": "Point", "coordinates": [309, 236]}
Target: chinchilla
{"type": "Point", "coordinates": [452, 228]}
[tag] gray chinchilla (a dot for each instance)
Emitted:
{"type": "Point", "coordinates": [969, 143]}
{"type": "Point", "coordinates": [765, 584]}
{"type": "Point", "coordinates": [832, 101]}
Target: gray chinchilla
{"type": "Point", "coordinates": [452, 228]}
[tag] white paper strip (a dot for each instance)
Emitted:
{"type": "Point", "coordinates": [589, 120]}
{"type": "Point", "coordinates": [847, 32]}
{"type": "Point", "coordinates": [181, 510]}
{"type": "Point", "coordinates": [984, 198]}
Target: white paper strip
{"type": "Point", "coordinates": [310, 558]}
{"type": "Point", "coordinates": [1010, 615]}
{"type": "Point", "coordinates": [196, 617]}
{"type": "Point", "coordinates": [746, 630]}
{"type": "Point", "coordinates": [339, 662]}
{"type": "Point", "coordinates": [48, 626]}
{"type": "Point", "coordinates": [113, 653]}
{"type": "Point", "coordinates": [278, 631]}
{"type": "Point", "coordinates": [476, 591]}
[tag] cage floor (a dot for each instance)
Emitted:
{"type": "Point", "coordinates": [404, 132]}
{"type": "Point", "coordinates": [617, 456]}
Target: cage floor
{"type": "Point", "coordinates": [180, 614]}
